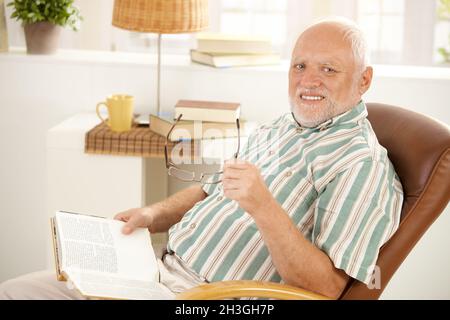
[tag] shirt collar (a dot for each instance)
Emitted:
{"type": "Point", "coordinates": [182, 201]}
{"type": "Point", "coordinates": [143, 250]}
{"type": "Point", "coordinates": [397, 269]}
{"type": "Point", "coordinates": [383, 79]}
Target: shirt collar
{"type": "Point", "coordinates": [353, 115]}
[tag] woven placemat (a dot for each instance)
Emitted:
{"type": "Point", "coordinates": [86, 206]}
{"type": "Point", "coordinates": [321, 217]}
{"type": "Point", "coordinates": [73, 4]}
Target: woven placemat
{"type": "Point", "coordinates": [139, 141]}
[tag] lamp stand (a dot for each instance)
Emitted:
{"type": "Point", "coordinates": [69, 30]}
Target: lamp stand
{"type": "Point", "coordinates": [158, 80]}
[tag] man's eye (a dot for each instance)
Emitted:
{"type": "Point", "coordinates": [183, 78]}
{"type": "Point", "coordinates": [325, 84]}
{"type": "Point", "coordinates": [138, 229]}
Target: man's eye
{"type": "Point", "coordinates": [329, 70]}
{"type": "Point", "coordinates": [299, 66]}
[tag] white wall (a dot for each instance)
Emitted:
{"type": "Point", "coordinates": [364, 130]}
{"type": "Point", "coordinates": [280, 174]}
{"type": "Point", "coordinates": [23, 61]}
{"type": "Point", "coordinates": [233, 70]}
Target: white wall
{"type": "Point", "coordinates": [38, 92]}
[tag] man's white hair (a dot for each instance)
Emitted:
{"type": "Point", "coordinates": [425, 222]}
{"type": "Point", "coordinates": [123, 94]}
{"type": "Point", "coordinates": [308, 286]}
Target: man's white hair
{"type": "Point", "coordinates": [353, 34]}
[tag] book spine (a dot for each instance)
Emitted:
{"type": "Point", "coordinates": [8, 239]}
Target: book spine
{"type": "Point", "coordinates": [207, 115]}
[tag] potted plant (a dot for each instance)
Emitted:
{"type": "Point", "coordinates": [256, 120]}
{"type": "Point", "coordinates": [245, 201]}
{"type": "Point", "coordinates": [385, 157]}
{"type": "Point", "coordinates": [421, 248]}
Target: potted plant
{"type": "Point", "coordinates": [3, 31]}
{"type": "Point", "coordinates": [42, 21]}
{"type": "Point", "coordinates": [444, 15]}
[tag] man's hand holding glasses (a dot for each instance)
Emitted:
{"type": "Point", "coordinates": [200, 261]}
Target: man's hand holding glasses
{"type": "Point", "coordinates": [189, 176]}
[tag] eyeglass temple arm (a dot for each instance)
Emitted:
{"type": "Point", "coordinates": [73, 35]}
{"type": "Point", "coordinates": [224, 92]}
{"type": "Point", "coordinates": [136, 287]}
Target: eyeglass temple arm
{"type": "Point", "coordinates": [171, 129]}
{"type": "Point", "coordinates": [166, 155]}
{"type": "Point", "coordinates": [239, 138]}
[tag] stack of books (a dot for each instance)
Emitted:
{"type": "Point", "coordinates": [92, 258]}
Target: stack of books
{"type": "Point", "coordinates": [202, 120]}
{"type": "Point", "coordinates": [222, 51]}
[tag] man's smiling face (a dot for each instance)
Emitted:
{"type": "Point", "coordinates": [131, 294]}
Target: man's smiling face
{"type": "Point", "coordinates": [324, 78]}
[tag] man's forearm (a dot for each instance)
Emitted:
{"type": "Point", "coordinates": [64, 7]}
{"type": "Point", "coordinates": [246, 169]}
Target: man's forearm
{"type": "Point", "coordinates": [170, 211]}
{"type": "Point", "coordinates": [297, 260]}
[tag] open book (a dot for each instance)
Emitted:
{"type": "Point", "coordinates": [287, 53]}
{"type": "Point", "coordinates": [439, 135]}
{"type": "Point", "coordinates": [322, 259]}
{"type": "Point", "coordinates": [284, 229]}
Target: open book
{"type": "Point", "coordinates": [101, 262]}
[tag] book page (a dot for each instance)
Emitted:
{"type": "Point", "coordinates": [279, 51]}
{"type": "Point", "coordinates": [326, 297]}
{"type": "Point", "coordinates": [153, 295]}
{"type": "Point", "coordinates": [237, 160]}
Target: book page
{"type": "Point", "coordinates": [134, 252]}
{"type": "Point", "coordinates": [100, 285]}
{"type": "Point", "coordinates": [96, 244]}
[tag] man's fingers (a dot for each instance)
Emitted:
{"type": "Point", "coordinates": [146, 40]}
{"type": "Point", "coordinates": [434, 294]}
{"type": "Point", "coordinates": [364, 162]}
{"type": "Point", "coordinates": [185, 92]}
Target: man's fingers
{"type": "Point", "coordinates": [131, 224]}
{"type": "Point", "coordinates": [232, 173]}
{"type": "Point", "coordinates": [122, 216]}
{"type": "Point", "coordinates": [235, 170]}
{"type": "Point", "coordinates": [236, 164]}
{"type": "Point", "coordinates": [232, 194]}
{"type": "Point", "coordinates": [230, 184]}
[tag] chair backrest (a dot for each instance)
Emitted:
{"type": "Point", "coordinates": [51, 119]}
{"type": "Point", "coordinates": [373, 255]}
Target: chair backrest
{"type": "Point", "coordinates": [419, 148]}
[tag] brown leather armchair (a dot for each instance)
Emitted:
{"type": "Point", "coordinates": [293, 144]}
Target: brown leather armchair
{"type": "Point", "coordinates": [419, 148]}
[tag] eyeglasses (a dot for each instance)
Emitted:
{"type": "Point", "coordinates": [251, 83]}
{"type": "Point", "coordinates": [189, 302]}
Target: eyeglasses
{"type": "Point", "coordinates": [189, 176]}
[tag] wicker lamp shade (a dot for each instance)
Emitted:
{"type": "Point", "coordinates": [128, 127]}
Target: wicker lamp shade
{"type": "Point", "coordinates": [161, 16]}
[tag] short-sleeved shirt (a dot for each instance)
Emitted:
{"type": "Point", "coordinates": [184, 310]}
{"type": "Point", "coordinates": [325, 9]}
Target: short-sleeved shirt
{"type": "Point", "coordinates": [334, 181]}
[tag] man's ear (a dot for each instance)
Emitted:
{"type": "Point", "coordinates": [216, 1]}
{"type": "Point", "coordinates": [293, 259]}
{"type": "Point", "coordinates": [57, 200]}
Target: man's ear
{"type": "Point", "coordinates": [366, 80]}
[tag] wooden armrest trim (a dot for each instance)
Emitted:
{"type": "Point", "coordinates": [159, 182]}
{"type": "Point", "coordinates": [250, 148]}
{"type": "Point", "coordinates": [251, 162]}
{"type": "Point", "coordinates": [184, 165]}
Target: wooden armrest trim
{"type": "Point", "coordinates": [248, 288]}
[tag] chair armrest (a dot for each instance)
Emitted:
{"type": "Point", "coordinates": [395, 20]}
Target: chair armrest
{"type": "Point", "coordinates": [248, 288]}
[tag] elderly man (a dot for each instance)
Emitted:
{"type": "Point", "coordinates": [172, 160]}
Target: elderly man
{"type": "Point", "coordinates": [309, 202]}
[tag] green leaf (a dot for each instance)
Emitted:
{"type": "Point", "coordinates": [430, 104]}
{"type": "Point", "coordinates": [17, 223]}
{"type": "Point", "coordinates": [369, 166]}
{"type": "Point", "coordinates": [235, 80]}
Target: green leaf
{"type": "Point", "coordinates": [445, 54]}
{"type": "Point", "coordinates": [443, 10]}
{"type": "Point", "coordinates": [61, 12]}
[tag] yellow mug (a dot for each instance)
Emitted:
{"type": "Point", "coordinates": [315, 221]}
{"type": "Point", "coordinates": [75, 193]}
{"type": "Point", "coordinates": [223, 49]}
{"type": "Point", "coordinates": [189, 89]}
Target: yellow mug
{"type": "Point", "coordinates": [120, 112]}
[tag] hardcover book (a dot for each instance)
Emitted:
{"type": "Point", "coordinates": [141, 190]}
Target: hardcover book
{"type": "Point", "coordinates": [195, 130]}
{"type": "Point", "coordinates": [101, 262]}
{"type": "Point", "coordinates": [210, 111]}
{"type": "Point", "coordinates": [227, 60]}
{"type": "Point", "coordinates": [225, 43]}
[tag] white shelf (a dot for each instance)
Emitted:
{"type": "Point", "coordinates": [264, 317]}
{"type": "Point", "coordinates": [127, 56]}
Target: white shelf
{"type": "Point", "coordinates": [183, 61]}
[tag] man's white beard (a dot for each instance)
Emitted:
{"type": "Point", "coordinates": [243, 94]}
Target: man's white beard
{"type": "Point", "coordinates": [320, 114]}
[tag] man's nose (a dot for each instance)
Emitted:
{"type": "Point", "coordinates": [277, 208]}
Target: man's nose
{"type": "Point", "coordinates": [310, 79]}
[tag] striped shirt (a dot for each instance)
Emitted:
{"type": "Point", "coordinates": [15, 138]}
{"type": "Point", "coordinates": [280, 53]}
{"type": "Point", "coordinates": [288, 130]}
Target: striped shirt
{"type": "Point", "coordinates": [334, 181]}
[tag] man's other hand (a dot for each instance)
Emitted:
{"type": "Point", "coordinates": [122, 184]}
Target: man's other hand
{"type": "Point", "coordinates": [242, 182]}
{"type": "Point", "coordinates": [135, 218]}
